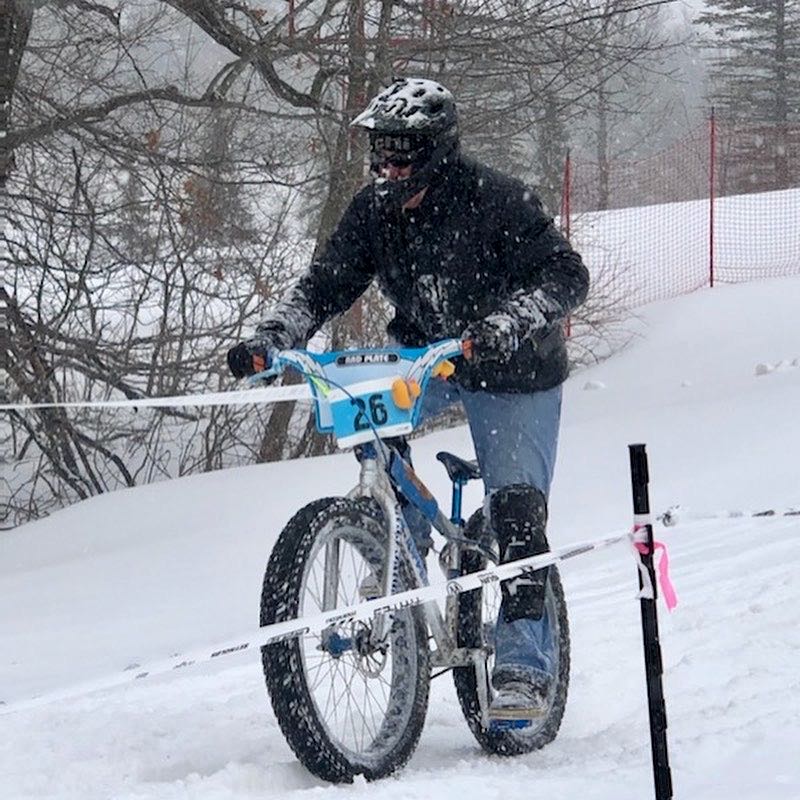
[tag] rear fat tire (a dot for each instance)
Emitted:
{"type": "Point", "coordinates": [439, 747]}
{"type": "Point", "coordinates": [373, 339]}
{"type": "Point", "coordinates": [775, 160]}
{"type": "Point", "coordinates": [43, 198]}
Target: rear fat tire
{"type": "Point", "coordinates": [470, 633]}
{"type": "Point", "coordinates": [359, 523]}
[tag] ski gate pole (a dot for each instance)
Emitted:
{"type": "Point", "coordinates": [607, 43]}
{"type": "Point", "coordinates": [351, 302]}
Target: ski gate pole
{"type": "Point", "coordinates": [662, 776]}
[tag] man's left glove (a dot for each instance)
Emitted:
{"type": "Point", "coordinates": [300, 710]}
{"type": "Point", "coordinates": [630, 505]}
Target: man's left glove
{"type": "Point", "coordinates": [247, 358]}
{"type": "Point", "coordinates": [494, 338]}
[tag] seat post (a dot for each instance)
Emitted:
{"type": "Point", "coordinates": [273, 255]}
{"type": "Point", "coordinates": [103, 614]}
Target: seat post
{"type": "Point", "coordinates": [455, 511]}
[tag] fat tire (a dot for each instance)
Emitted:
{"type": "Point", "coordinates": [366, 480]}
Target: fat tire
{"type": "Point", "coordinates": [469, 633]}
{"type": "Point", "coordinates": [283, 664]}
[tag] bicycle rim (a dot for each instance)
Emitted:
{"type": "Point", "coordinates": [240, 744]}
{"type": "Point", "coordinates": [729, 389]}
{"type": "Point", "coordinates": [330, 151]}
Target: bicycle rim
{"type": "Point", "coordinates": [359, 684]}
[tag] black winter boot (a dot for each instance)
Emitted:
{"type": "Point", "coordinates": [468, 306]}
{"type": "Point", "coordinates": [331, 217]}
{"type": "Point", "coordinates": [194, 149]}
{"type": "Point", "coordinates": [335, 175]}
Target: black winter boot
{"type": "Point", "coordinates": [518, 518]}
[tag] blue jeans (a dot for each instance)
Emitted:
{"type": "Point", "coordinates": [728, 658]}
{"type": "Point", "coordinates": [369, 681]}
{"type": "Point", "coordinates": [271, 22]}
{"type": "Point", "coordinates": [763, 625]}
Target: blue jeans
{"type": "Point", "coordinates": [515, 438]}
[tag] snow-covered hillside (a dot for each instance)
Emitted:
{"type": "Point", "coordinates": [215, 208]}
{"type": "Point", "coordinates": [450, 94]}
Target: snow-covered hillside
{"type": "Point", "coordinates": [711, 383]}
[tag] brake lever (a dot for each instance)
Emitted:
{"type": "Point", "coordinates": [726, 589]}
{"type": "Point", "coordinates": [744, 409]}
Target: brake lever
{"type": "Point", "coordinates": [266, 376]}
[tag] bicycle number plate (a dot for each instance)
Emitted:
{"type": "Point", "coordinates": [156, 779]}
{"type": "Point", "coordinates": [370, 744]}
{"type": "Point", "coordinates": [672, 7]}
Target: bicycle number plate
{"type": "Point", "coordinates": [368, 410]}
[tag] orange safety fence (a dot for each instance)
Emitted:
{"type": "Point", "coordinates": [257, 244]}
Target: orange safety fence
{"type": "Point", "coordinates": [721, 205]}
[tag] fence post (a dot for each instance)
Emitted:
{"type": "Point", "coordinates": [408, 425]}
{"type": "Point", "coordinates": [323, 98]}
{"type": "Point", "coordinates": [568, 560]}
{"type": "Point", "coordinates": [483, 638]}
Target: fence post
{"type": "Point", "coordinates": [662, 776]}
{"type": "Point", "coordinates": [712, 188]}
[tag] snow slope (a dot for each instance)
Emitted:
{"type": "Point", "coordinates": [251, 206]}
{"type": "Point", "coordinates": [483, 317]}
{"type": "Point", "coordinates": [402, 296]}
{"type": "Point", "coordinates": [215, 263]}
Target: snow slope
{"type": "Point", "coordinates": [633, 252]}
{"type": "Point", "coordinates": [146, 573]}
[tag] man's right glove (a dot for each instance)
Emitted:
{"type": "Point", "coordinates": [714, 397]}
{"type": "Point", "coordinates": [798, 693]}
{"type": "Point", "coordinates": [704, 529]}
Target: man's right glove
{"type": "Point", "coordinates": [247, 358]}
{"type": "Point", "coordinates": [493, 338]}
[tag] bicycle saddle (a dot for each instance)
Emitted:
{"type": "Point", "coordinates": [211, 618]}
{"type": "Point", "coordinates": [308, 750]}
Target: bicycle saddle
{"type": "Point", "coordinates": [458, 468]}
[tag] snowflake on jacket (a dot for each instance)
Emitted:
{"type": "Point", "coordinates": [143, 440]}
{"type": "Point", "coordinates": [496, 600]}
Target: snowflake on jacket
{"type": "Point", "coordinates": [479, 247]}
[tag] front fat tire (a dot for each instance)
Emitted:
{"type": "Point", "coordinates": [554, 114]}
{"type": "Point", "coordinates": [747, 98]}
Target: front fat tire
{"type": "Point", "coordinates": [299, 717]}
{"type": "Point", "coordinates": [470, 633]}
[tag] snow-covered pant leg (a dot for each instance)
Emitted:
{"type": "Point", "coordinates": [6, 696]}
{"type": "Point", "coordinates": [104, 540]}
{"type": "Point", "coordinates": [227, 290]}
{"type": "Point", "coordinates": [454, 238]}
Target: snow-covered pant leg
{"type": "Point", "coordinates": [516, 438]}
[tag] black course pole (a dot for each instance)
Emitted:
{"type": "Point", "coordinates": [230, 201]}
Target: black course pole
{"type": "Point", "coordinates": [662, 776]}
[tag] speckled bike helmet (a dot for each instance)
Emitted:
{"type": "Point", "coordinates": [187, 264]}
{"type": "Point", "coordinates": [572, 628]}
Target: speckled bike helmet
{"type": "Point", "coordinates": [415, 120]}
{"type": "Point", "coordinates": [410, 105]}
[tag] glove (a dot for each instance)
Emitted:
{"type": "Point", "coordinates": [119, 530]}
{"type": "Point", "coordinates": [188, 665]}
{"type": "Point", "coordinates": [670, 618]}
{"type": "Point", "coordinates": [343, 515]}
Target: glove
{"type": "Point", "coordinates": [247, 358]}
{"type": "Point", "coordinates": [493, 338]}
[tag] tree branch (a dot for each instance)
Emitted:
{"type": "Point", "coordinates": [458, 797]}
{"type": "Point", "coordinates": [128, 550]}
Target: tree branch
{"type": "Point", "coordinates": [210, 17]}
{"type": "Point", "coordinates": [97, 112]}
{"type": "Point", "coordinates": [14, 30]}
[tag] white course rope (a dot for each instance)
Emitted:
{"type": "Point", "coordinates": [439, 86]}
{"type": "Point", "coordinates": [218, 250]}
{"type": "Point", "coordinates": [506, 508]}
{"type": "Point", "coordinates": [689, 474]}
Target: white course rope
{"type": "Point", "coordinates": [272, 394]}
{"type": "Point", "coordinates": [676, 514]}
{"type": "Point", "coordinates": [281, 631]}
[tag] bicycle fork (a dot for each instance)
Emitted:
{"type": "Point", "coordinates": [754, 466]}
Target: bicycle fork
{"type": "Point", "coordinates": [383, 483]}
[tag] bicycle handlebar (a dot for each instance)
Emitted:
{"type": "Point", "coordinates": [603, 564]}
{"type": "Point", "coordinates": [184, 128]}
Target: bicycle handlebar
{"type": "Point", "coordinates": [279, 360]}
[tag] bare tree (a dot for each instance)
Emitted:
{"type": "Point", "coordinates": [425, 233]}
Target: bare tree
{"type": "Point", "coordinates": [157, 156]}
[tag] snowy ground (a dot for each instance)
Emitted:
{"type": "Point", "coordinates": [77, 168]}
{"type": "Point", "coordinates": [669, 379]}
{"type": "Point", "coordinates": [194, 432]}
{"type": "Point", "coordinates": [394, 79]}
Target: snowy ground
{"type": "Point", "coordinates": [146, 573]}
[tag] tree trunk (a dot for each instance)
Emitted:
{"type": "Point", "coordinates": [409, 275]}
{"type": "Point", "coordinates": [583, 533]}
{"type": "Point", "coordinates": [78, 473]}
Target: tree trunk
{"type": "Point", "coordinates": [604, 193]}
{"type": "Point", "coordinates": [344, 178]}
{"type": "Point", "coordinates": [783, 179]}
{"type": "Point", "coordinates": [15, 26]}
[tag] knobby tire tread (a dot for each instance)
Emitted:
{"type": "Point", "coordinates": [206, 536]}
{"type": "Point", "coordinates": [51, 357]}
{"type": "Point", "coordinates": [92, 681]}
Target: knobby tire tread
{"type": "Point", "coordinates": [282, 662]}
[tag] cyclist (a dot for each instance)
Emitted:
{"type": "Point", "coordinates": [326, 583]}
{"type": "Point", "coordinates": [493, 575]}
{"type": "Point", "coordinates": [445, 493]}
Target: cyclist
{"type": "Point", "coordinates": [459, 250]}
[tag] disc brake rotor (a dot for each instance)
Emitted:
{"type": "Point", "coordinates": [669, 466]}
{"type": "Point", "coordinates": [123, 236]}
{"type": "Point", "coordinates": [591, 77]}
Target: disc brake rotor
{"type": "Point", "coordinates": [371, 656]}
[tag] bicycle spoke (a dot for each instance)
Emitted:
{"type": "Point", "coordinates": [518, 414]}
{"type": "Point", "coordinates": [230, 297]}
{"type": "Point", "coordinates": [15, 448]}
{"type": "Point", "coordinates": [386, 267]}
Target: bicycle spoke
{"type": "Point", "coordinates": [330, 574]}
{"type": "Point", "coordinates": [353, 688]}
{"type": "Point", "coordinates": [329, 676]}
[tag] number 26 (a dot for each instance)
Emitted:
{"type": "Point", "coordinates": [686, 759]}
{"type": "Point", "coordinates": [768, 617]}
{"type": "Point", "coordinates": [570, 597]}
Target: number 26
{"type": "Point", "coordinates": [377, 412]}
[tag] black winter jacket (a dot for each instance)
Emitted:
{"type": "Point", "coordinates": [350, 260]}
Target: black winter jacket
{"type": "Point", "coordinates": [479, 244]}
